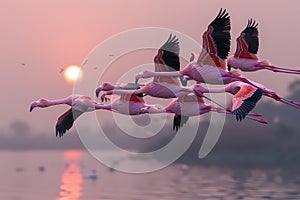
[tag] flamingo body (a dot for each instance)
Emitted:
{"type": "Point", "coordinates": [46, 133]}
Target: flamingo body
{"type": "Point", "coordinates": [130, 105]}
{"type": "Point", "coordinates": [247, 65]}
{"type": "Point", "coordinates": [188, 106]}
{"type": "Point", "coordinates": [206, 74]}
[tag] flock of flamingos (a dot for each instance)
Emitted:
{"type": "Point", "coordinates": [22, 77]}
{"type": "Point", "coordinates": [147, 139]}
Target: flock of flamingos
{"type": "Point", "coordinates": [212, 65]}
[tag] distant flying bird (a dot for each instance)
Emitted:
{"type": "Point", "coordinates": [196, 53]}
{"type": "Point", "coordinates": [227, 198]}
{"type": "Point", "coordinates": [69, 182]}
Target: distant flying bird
{"type": "Point", "coordinates": [111, 55]}
{"type": "Point", "coordinates": [19, 169]}
{"type": "Point", "coordinates": [84, 62]}
{"type": "Point", "coordinates": [41, 168]}
{"type": "Point", "coordinates": [245, 97]}
{"type": "Point", "coordinates": [23, 64]}
{"type": "Point", "coordinates": [245, 57]}
{"type": "Point", "coordinates": [210, 67]}
{"type": "Point", "coordinates": [191, 105]}
{"type": "Point", "coordinates": [61, 70]}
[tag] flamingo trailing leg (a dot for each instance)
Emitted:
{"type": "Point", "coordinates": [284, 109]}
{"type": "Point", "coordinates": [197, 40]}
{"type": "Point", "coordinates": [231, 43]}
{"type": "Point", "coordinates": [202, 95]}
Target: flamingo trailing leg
{"type": "Point", "coordinates": [190, 105]}
{"type": "Point", "coordinates": [245, 96]}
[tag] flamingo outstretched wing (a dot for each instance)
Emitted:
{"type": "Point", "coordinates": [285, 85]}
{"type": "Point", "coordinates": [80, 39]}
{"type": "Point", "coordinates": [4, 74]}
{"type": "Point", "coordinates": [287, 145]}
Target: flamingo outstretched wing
{"type": "Point", "coordinates": [250, 36]}
{"type": "Point", "coordinates": [168, 55]}
{"type": "Point", "coordinates": [66, 120]}
{"type": "Point", "coordinates": [216, 39]}
{"type": "Point", "coordinates": [248, 42]}
{"type": "Point", "coordinates": [245, 100]}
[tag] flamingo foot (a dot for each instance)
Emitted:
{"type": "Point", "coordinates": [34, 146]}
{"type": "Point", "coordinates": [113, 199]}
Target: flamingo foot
{"type": "Point", "coordinates": [255, 114]}
{"type": "Point", "coordinates": [263, 121]}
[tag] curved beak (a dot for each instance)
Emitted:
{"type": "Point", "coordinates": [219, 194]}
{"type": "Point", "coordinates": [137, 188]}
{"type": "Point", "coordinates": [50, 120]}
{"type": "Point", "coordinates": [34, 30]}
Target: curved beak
{"type": "Point", "coordinates": [137, 77]}
{"type": "Point", "coordinates": [228, 68]}
{"type": "Point", "coordinates": [98, 90]}
{"type": "Point", "coordinates": [31, 108]}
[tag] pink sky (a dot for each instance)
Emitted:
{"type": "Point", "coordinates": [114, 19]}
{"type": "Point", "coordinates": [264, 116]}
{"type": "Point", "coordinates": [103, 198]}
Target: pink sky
{"type": "Point", "coordinates": [47, 35]}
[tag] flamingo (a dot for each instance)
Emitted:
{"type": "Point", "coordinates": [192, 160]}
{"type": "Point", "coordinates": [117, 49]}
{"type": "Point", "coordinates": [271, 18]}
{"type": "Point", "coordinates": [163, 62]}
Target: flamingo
{"type": "Point", "coordinates": [245, 57]}
{"type": "Point", "coordinates": [126, 104]}
{"type": "Point", "coordinates": [245, 96]}
{"type": "Point", "coordinates": [191, 105]}
{"type": "Point", "coordinates": [210, 67]}
{"type": "Point", "coordinates": [166, 60]}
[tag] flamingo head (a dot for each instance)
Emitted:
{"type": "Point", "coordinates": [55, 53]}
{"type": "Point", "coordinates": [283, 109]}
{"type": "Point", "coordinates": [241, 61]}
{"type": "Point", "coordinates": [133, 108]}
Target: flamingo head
{"type": "Point", "coordinates": [104, 87]}
{"type": "Point", "coordinates": [143, 74]}
{"type": "Point", "coordinates": [39, 103]}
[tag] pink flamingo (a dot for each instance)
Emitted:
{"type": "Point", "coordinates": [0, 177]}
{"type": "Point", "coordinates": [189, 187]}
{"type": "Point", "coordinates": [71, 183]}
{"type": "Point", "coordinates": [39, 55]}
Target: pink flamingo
{"type": "Point", "coordinates": [245, 96]}
{"type": "Point", "coordinates": [166, 60]}
{"type": "Point", "coordinates": [126, 104]}
{"type": "Point", "coordinates": [245, 57]}
{"type": "Point", "coordinates": [210, 67]}
{"type": "Point", "coordinates": [190, 105]}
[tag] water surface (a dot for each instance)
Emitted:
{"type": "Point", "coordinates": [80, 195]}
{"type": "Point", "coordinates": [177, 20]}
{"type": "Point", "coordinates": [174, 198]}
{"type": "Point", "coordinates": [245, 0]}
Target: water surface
{"type": "Point", "coordinates": [65, 177]}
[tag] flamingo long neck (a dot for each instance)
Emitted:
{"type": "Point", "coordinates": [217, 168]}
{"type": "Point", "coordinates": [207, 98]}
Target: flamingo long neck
{"type": "Point", "coordinates": [215, 90]}
{"type": "Point", "coordinates": [59, 101]}
{"type": "Point", "coordinates": [168, 74]}
{"type": "Point", "coordinates": [103, 107]}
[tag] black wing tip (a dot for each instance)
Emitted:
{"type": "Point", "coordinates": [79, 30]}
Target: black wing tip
{"type": "Point", "coordinates": [170, 52]}
{"type": "Point", "coordinates": [172, 39]}
{"type": "Point", "coordinates": [171, 45]}
{"type": "Point", "coordinates": [252, 24]}
{"type": "Point", "coordinates": [60, 130]}
{"type": "Point", "coordinates": [223, 14]}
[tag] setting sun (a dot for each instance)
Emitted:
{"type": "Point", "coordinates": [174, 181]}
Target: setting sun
{"type": "Point", "coordinates": [72, 73]}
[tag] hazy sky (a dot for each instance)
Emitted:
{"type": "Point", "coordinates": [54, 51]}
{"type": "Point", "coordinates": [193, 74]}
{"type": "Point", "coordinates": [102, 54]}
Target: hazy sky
{"type": "Point", "coordinates": [47, 35]}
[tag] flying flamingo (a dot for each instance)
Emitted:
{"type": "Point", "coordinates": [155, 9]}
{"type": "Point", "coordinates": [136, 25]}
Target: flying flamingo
{"type": "Point", "coordinates": [191, 105]}
{"type": "Point", "coordinates": [166, 60]}
{"type": "Point", "coordinates": [245, 96]}
{"type": "Point", "coordinates": [210, 67]}
{"type": "Point", "coordinates": [126, 104]}
{"type": "Point", "coordinates": [245, 57]}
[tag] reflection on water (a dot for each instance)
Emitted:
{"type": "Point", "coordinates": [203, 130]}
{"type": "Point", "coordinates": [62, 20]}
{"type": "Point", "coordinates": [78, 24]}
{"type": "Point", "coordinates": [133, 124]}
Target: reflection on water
{"type": "Point", "coordinates": [71, 181]}
{"type": "Point", "coordinates": [64, 180]}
